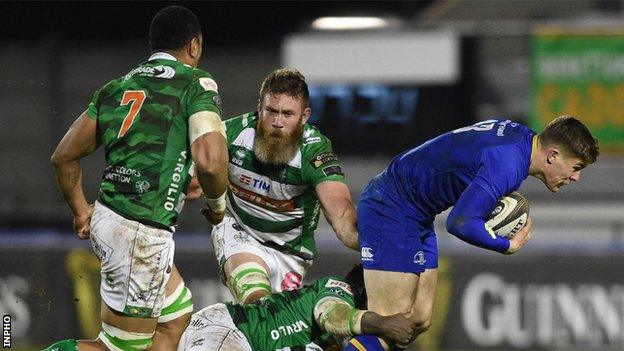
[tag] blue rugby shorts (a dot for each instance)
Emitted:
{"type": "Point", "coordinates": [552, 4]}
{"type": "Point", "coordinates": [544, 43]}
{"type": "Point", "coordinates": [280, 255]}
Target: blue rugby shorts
{"type": "Point", "coordinates": [389, 239]}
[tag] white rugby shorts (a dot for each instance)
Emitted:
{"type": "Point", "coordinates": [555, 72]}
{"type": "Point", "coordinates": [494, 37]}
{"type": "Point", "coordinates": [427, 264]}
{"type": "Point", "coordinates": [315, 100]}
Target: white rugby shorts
{"type": "Point", "coordinates": [286, 272]}
{"type": "Point", "coordinates": [136, 262]}
{"type": "Point", "coordinates": [212, 329]}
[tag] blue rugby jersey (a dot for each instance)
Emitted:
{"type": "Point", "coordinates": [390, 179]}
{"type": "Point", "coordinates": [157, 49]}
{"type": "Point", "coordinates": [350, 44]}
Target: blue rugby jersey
{"type": "Point", "coordinates": [469, 168]}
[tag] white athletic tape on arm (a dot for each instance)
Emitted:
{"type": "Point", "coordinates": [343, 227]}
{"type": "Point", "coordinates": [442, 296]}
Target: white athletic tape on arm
{"type": "Point", "coordinates": [333, 315]}
{"type": "Point", "coordinates": [218, 204]}
{"type": "Point", "coordinates": [203, 122]}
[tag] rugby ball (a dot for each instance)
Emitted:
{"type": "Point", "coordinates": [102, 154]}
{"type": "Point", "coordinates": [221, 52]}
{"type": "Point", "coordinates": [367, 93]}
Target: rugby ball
{"type": "Point", "coordinates": [509, 215]}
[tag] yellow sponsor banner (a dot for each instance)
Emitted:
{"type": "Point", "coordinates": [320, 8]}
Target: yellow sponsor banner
{"type": "Point", "coordinates": [580, 73]}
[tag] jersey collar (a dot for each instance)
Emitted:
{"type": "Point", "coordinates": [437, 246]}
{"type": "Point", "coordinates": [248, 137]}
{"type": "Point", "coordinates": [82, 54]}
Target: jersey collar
{"type": "Point", "coordinates": [162, 55]}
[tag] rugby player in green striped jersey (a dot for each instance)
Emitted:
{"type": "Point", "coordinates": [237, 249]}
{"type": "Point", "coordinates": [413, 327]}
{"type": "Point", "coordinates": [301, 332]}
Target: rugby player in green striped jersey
{"type": "Point", "coordinates": [282, 174]}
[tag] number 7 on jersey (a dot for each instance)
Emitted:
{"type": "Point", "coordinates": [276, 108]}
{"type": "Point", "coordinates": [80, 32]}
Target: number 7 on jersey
{"type": "Point", "coordinates": [136, 99]}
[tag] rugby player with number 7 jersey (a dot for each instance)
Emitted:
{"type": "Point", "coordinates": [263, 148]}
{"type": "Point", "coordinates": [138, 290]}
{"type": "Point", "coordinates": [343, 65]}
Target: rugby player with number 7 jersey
{"type": "Point", "coordinates": [153, 122]}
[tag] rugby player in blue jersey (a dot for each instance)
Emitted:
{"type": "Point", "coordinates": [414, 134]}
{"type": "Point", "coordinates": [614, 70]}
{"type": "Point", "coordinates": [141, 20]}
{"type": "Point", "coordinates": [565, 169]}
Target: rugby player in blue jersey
{"type": "Point", "coordinates": [468, 168]}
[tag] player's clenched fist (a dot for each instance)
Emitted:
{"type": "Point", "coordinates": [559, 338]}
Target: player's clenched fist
{"type": "Point", "coordinates": [82, 223]}
{"type": "Point", "coordinates": [397, 328]}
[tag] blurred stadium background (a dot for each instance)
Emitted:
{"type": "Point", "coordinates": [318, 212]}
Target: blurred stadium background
{"type": "Point", "coordinates": [428, 67]}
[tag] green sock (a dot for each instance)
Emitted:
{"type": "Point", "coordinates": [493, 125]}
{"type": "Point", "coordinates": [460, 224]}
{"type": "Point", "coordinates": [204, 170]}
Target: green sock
{"type": "Point", "coordinates": [64, 345]}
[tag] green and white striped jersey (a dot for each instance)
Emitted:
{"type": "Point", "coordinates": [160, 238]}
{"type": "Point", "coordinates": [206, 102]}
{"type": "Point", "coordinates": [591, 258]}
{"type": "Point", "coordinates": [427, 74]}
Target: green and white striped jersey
{"type": "Point", "coordinates": [142, 121]}
{"type": "Point", "coordinates": [278, 204]}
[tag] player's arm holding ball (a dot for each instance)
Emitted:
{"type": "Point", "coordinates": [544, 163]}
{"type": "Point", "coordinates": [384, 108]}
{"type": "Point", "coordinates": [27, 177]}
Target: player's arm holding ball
{"type": "Point", "coordinates": [510, 219]}
{"type": "Point", "coordinates": [468, 218]}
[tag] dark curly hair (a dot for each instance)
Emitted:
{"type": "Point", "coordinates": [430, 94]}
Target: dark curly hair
{"type": "Point", "coordinates": [172, 28]}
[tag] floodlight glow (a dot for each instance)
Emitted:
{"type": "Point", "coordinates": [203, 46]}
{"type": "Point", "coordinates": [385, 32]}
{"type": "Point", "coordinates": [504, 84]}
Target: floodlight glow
{"type": "Point", "coordinates": [348, 23]}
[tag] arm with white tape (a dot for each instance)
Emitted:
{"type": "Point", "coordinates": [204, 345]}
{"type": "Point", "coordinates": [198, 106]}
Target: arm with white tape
{"type": "Point", "coordinates": [209, 149]}
{"type": "Point", "coordinates": [337, 317]}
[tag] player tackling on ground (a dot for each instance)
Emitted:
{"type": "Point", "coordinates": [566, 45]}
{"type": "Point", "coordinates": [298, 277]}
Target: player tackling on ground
{"type": "Point", "coordinates": [152, 122]}
{"type": "Point", "coordinates": [468, 168]}
{"type": "Point", "coordinates": [314, 318]}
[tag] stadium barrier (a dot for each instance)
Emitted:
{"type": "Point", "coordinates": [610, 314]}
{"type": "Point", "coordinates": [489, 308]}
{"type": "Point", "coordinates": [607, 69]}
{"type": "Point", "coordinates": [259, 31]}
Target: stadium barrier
{"type": "Point", "coordinates": [490, 302]}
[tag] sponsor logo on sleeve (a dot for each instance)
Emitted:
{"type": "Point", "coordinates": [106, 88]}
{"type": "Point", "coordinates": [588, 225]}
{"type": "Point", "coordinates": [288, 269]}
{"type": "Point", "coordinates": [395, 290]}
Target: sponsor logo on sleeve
{"type": "Point", "coordinates": [332, 170]}
{"type": "Point", "coordinates": [323, 158]}
{"type": "Point", "coordinates": [332, 283]}
{"type": "Point", "coordinates": [311, 140]}
{"type": "Point", "coordinates": [337, 291]}
{"type": "Point", "coordinates": [208, 84]}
